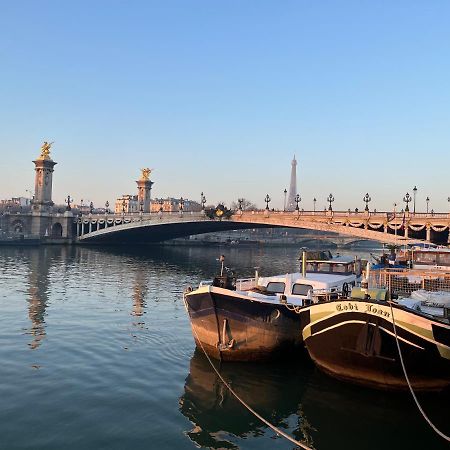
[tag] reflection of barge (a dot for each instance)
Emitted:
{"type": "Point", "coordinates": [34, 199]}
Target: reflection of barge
{"type": "Point", "coordinates": [217, 418]}
{"type": "Point", "coordinates": [256, 319]}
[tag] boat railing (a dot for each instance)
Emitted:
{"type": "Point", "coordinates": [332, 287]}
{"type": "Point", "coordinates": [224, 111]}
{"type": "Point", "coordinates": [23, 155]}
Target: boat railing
{"type": "Point", "coordinates": [405, 281]}
{"type": "Point", "coordinates": [245, 284]}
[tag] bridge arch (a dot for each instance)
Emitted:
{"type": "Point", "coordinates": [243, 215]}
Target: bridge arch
{"type": "Point", "coordinates": [18, 226]}
{"type": "Point", "coordinates": [57, 230]}
{"type": "Point", "coordinates": [381, 227]}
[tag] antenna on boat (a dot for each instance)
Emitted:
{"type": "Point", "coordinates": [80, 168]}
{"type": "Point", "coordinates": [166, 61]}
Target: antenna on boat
{"type": "Point", "coordinates": [304, 264]}
{"type": "Point", "coordinates": [222, 261]}
{"type": "Point", "coordinates": [256, 275]}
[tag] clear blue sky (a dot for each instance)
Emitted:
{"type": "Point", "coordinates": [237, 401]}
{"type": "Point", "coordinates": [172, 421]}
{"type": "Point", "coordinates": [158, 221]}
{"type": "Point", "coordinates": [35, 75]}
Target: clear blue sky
{"type": "Point", "coordinates": [217, 96]}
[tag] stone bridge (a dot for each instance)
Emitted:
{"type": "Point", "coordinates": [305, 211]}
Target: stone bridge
{"type": "Point", "coordinates": [385, 227]}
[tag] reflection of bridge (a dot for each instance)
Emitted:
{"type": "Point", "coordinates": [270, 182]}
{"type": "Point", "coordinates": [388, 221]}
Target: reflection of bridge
{"type": "Point", "coordinates": [381, 226]}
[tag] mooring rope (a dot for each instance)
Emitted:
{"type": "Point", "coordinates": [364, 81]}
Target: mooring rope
{"type": "Point", "coordinates": [261, 418]}
{"type": "Point", "coordinates": [439, 432]}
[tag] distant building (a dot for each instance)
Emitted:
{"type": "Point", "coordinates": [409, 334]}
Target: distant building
{"type": "Point", "coordinates": [127, 204]}
{"type": "Point", "coordinates": [171, 204]}
{"type": "Point", "coordinates": [16, 201]}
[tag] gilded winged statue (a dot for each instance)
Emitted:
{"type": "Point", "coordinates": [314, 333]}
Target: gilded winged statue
{"type": "Point", "coordinates": [45, 149]}
{"type": "Point", "coordinates": [146, 173]}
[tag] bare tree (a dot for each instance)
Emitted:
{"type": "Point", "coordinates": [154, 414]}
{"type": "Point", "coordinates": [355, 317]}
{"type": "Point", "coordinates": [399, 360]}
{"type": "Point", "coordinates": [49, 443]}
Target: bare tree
{"type": "Point", "coordinates": [247, 205]}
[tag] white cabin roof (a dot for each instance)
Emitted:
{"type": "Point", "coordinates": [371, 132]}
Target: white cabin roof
{"type": "Point", "coordinates": [317, 280]}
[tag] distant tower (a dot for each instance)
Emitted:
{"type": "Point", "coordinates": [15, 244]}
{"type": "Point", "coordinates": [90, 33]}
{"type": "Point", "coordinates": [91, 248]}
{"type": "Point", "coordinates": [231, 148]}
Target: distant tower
{"type": "Point", "coordinates": [293, 187]}
{"type": "Point", "coordinates": [44, 164]}
{"type": "Point", "coordinates": [144, 190]}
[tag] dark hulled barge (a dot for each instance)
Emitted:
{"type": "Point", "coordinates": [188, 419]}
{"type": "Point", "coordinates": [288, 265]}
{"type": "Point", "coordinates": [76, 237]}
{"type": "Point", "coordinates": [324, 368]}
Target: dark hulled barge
{"type": "Point", "coordinates": [261, 318]}
{"type": "Point", "coordinates": [356, 340]}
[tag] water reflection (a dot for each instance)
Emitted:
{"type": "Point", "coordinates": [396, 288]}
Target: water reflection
{"type": "Point", "coordinates": [313, 408]}
{"type": "Point", "coordinates": [38, 292]}
{"type": "Point", "coordinates": [140, 290]}
{"type": "Point", "coordinates": [272, 390]}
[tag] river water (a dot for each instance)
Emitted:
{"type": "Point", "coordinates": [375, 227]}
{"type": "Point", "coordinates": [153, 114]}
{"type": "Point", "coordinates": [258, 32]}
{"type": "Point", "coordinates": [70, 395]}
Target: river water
{"type": "Point", "coordinates": [96, 352]}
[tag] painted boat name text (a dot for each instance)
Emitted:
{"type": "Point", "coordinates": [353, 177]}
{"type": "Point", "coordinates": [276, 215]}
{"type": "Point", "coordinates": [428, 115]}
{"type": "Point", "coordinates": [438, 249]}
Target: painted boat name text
{"type": "Point", "coordinates": [369, 308]}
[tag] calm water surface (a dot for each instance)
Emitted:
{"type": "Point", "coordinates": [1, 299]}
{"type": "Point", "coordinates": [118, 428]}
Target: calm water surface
{"type": "Point", "coordinates": [96, 352]}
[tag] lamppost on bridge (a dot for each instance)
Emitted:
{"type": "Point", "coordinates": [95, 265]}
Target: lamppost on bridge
{"type": "Point", "coordinates": [297, 200]}
{"type": "Point", "coordinates": [91, 207]}
{"type": "Point", "coordinates": [141, 206]}
{"type": "Point", "coordinates": [69, 200]}
{"type": "Point", "coordinates": [330, 200]}
{"type": "Point", "coordinates": [314, 202]}
{"type": "Point", "coordinates": [107, 207]}
{"type": "Point", "coordinates": [366, 200]}
{"type": "Point", "coordinates": [267, 200]}
{"type": "Point", "coordinates": [414, 199]}
{"type": "Point", "coordinates": [123, 207]}
{"type": "Point", "coordinates": [285, 193]}
{"type": "Point", "coordinates": [181, 205]}
{"type": "Point", "coordinates": [240, 202]}
{"type": "Point", "coordinates": [428, 201]}
{"type": "Point", "coordinates": [407, 199]}
{"type": "Point", "coordinates": [161, 203]}
{"type": "Point", "coordinates": [203, 201]}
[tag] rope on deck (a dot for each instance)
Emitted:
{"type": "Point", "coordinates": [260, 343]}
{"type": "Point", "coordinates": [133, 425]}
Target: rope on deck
{"type": "Point", "coordinates": [262, 419]}
{"type": "Point", "coordinates": [419, 407]}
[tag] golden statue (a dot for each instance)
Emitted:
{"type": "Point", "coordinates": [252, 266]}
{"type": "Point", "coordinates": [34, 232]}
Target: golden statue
{"type": "Point", "coordinates": [45, 150]}
{"type": "Point", "coordinates": [146, 173]}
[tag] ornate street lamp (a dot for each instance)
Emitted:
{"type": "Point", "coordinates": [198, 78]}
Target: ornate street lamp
{"type": "Point", "coordinates": [407, 199]}
{"type": "Point", "coordinates": [240, 202]}
{"type": "Point", "coordinates": [161, 203]}
{"type": "Point", "coordinates": [91, 207]}
{"type": "Point", "coordinates": [267, 200]}
{"type": "Point", "coordinates": [107, 207]}
{"type": "Point", "coordinates": [414, 199]}
{"type": "Point", "coordinates": [428, 201]}
{"type": "Point", "coordinates": [69, 200]}
{"type": "Point", "coordinates": [181, 206]}
{"type": "Point", "coordinates": [330, 200]}
{"type": "Point", "coordinates": [285, 193]}
{"type": "Point", "coordinates": [314, 202]}
{"type": "Point", "coordinates": [123, 206]}
{"type": "Point", "coordinates": [141, 206]}
{"type": "Point", "coordinates": [366, 200]}
{"type": "Point", "coordinates": [297, 200]}
{"type": "Point", "coordinates": [202, 201]}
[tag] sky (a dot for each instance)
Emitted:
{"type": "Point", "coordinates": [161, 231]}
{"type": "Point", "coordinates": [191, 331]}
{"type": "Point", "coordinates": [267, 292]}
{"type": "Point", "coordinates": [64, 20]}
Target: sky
{"type": "Point", "coordinates": [217, 97]}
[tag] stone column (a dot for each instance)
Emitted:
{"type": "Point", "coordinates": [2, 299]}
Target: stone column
{"type": "Point", "coordinates": [428, 237]}
{"type": "Point", "coordinates": [42, 201]}
{"type": "Point", "coordinates": [144, 190]}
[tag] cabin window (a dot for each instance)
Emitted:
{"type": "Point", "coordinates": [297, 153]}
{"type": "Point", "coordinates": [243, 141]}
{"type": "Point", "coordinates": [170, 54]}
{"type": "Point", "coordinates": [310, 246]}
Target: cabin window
{"type": "Point", "coordinates": [425, 258]}
{"type": "Point", "coordinates": [444, 259]}
{"type": "Point", "coordinates": [325, 267]}
{"type": "Point", "coordinates": [275, 287]}
{"type": "Point", "coordinates": [340, 268]}
{"type": "Point", "coordinates": [301, 289]}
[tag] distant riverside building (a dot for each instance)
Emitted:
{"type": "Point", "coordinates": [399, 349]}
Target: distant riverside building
{"type": "Point", "coordinates": [171, 204]}
{"type": "Point", "coordinates": [16, 201]}
{"type": "Point", "coordinates": [127, 204]}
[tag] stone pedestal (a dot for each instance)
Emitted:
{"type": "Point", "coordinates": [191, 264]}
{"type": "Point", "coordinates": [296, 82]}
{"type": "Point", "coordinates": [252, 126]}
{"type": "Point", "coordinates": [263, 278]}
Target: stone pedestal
{"type": "Point", "coordinates": [42, 201]}
{"type": "Point", "coordinates": [144, 194]}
